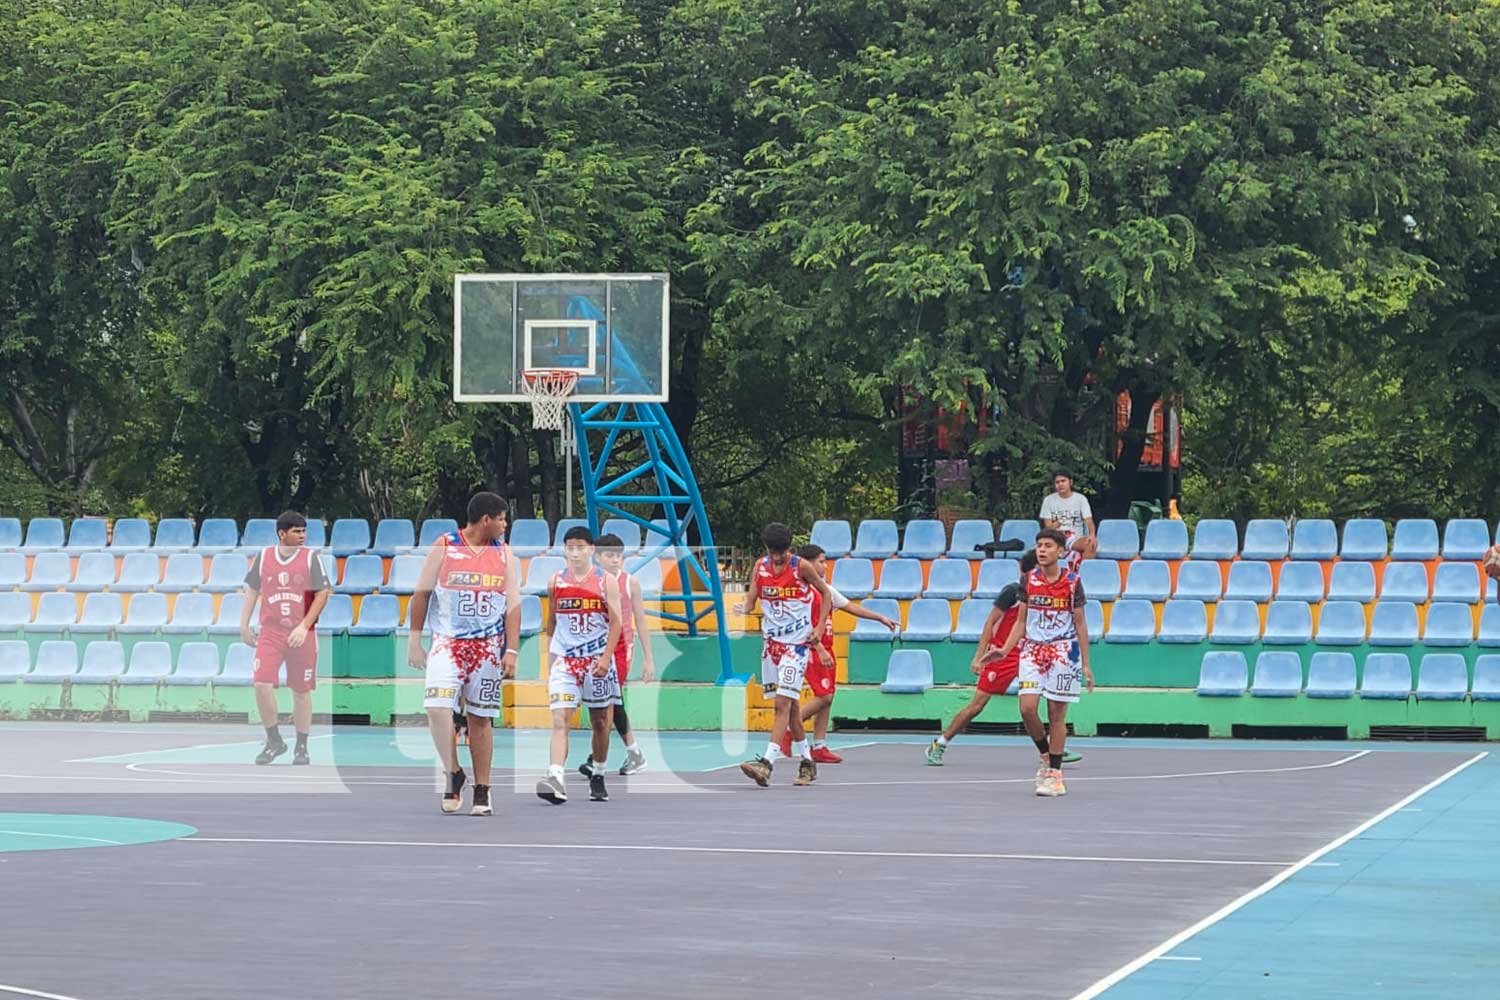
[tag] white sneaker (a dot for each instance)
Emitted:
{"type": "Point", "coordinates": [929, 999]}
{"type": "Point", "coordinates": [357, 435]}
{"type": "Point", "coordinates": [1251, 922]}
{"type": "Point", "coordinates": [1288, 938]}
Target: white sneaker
{"type": "Point", "coordinates": [1052, 785]}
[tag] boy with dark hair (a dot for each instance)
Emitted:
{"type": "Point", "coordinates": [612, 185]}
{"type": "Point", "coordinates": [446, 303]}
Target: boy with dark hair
{"type": "Point", "coordinates": [1070, 513]}
{"type": "Point", "coordinates": [609, 552]}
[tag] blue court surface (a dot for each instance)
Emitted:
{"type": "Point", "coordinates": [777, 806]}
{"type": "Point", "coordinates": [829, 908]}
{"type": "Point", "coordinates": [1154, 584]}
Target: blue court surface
{"type": "Point", "coordinates": [144, 860]}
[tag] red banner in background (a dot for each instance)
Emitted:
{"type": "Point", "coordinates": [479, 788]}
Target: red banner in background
{"type": "Point", "coordinates": [1163, 432]}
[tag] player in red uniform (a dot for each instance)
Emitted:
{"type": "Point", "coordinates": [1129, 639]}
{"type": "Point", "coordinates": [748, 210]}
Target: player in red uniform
{"type": "Point", "coordinates": [1053, 638]}
{"type": "Point", "coordinates": [288, 579]}
{"type": "Point", "coordinates": [609, 552]}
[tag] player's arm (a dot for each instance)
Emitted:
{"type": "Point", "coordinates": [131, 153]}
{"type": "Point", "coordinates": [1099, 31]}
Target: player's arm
{"type": "Point", "coordinates": [1048, 514]}
{"type": "Point", "coordinates": [638, 610]}
{"type": "Point", "coordinates": [606, 661]}
{"type": "Point", "coordinates": [421, 597]}
{"type": "Point", "coordinates": [747, 606]}
{"type": "Point", "coordinates": [1017, 633]}
{"type": "Point", "coordinates": [991, 622]}
{"type": "Point", "coordinates": [858, 610]}
{"type": "Point", "coordinates": [252, 594]}
{"type": "Point", "coordinates": [1081, 626]}
{"type": "Point", "coordinates": [512, 616]}
{"type": "Point", "coordinates": [323, 588]}
{"type": "Point", "coordinates": [814, 579]}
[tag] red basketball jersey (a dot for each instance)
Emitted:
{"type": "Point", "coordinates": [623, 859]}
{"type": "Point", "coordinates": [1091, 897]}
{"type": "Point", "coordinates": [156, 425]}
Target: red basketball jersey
{"type": "Point", "coordinates": [287, 587]}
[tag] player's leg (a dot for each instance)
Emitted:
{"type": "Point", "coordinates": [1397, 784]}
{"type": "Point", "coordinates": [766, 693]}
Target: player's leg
{"type": "Point", "coordinates": [758, 769]}
{"type": "Point", "coordinates": [564, 696]}
{"type": "Point", "coordinates": [440, 700]}
{"type": "Point", "coordinates": [1057, 739]}
{"type": "Point", "coordinates": [792, 673]}
{"type": "Point", "coordinates": [268, 659]}
{"type": "Point", "coordinates": [1029, 703]}
{"type": "Point", "coordinates": [481, 699]}
{"type": "Point", "coordinates": [302, 678]}
{"type": "Point", "coordinates": [635, 760]}
{"type": "Point", "coordinates": [939, 746]}
{"type": "Point", "coordinates": [601, 718]}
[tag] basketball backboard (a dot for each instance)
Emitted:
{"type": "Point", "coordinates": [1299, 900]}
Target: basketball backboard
{"type": "Point", "coordinates": [612, 329]}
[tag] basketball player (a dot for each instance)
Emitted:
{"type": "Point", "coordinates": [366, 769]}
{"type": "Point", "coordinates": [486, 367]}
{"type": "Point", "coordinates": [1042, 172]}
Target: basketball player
{"type": "Point", "coordinates": [288, 577]}
{"type": "Point", "coordinates": [471, 585]}
{"type": "Point", "coordinates": [1054, 644]}
{"type": "Point", "coordinates": [585, 631]}
{"type": "Point", "coordinates": [609, 552]}
{"type": "Point", "coordinates": [792, 623]}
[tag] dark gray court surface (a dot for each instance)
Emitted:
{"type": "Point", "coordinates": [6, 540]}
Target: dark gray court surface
{"type": "Point", "coordinates": [886, 879]}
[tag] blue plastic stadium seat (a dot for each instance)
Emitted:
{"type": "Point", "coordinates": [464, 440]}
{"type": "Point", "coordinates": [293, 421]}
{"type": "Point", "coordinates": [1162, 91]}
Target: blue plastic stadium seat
{"type": "Point", "coordinates": [138, 571]}
{"type": "Point", "coordinates": [12, 570]}
{"type": "Point", "coordinates": [239, 667]}
{"type": "Point", "coordinates": [1199, 581]}
{"type": "Point", "coordinates": [1288, 623]}
{"type": "Point", "coordinates": [1352, 581]}
{"type": "Point", "coordinates": [1249, 581]}
{"type": "Point", "coordinates": [218, 534]}
{"type": "Point", "coordinates": [876, 539]}
{"type": "Point", "coordinates": [1165, 539]}
{"type": "Point", "coordinates": [260, 533]}
{"type": "Point", "coordinates": [1132, 621]}
{"type": "Point", "coordinates": [966, 535]}
{"type": "Point", "coordinates": [1146, 580]}
{"type": "Point", "coordinates": [174, 534]}
{"type": "Point", "coordinates": [197, 663]}
{"type": "Point", "coordinates": [900, 578]}
{"type": "Point", "coordinates": [1300, 581]}
{"type": "Point", "coordinates": [835, 537]}
{"type": "Point", "coordinates": [1216, 539]}
{"type": "Point", "coordinates": [531, 615]}
{"type": "Point", "coordinates": [908, 672]}
{"type": "Point", "coordinates": [147, 614]}
{"type": "Point", "coordinates": [10, 535]}
{"type": "Point", "coordinates": [659, 535]}
{"type": "Point", "coordinates": [1458, 582]}
{"type": "Point", "coordinates": [1365, 540]}
{"type": "Point", "coordinates": [1236, 623]}
{"type": "Point", "coordinates": [1119, 539]}
{"type": "Point", "coordinates": [363, 574]}
{"type": "Point", "coordinates": [317, 533]}
{"type": "Point", "coordinates": [56, 661]}
{"type": "Point", "coordinates": [191, 614]}
{"type": "Point", "coordinates": [227, 621]}
{"type": "Point", "coordinates": [1486, 686]}
{"type": "Point", "coordinates": [1315, 539]}
{"type": "Point", "coordinates": [1223, 674]}
{"type": "Point", "coordinates": [96, 571]}
{"type": "Point", "coordinates": [1331, 675]}
{"type": "Point", "coordinates": [102, 613]}
{"type": "Point", "coordinates": [1394, 623]}
{"type": "Point", "coordinates": [226, 572]}
{"type": "Point", "coordinates": [436, 527]}
{"type": "Point", "coordinates": [131, 534]}
{"type": "Point", "coordinates": [1265, 539]}
{"type": "Point", "coordinates": [1489, 625]}
{"type": "Point", "coordinates": [529, 537]}
{"type": "Point", "coordinates": [1449, 625]}
{"type": "Point", "coordinates": [647, 573]}
{"type": "Point", "coordinates": [928, 620]}
{"type": "Point", "coordinates": [1278, 674]}
{"type": "Point", "coordinates": [1183, 621]}
{"type": "Point", "coordinates": [15, 611]}
{"type": "Point", "coordinates": [393, 535]}
{"type": "Point", "coordinates": [405, 571]}
{"type": "Point", "coordinates": [1022, 530]}
{"type": "Point", "coordinates": [15, 660]}
{"type": "Point", "coordinates": [103, 663]}
{"type": "Point", "coordinates": [1093, 617]}
{"type": "Point", "coordinates": [972, 615]}
{"type": "Point", "coordinates": [351, 535]}
{"type": "Point", "coordinates": [1442, 677]}
{"type": "Point", "coordinates": [1405, 581]}
{"type": "Point", "coordinates": [150, 663]}
{"type": "Point", "coordinates": [54, 613]}
{"type": "Point", "coordinates": [43, 534]}
{"type": "Point", "coordinates": [379, 614]}
{"type": "Point", "coordinates": [49, 571]}
{"type": "Point", "coordinates": [540, 573]}
{"type": "Point", "coordinates": [626, 530]}
{"type": "Point", "coordinates": [337, 616]}
{"type": "Point", "coordinates": [996, 574]}
{"type": "Point", "coordinates": [184, 572]}
{"type": "Point", "coordinates": [564, 525]}
{"type": "Point", "coordinates": [950, 579]}
{"type": "Point", "coordinates": [1101, 579]}
{"type": "Point", "coordinates": [87, 534]}
{"type": "Point", "coordinates": [1416, 539]}
{"type": "Point", "coordinates": [1465, 538]}
{"type": "Point", "coordinates": [855, 577]}
{"type": "Point", "coordinates": [1387, 677]}
{"type": "Point", "coordinates": [868, 631]}
{"type": "Point", "coordinates": [924, 539]}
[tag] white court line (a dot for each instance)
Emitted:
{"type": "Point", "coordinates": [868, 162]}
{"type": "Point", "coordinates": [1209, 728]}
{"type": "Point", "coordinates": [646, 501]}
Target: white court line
{"type": "Point", "coordinates": [62, 836]}
{"type": "Point", "coordinates": [114, 758]}
{"type": "Point", "coordinates": [683, 849]}
{"type": "Point", "coordinates": [22, 992]}
{"type": "Point", "coordinates": [1178, 958]}
{"type": "Point", "coordinates": [1176, 939]}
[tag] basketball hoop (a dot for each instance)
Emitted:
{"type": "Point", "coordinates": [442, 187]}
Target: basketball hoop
{"type": "Point", "coordinates": [548, 390]}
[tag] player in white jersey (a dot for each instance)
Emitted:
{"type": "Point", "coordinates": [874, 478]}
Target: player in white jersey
{"type": "Point", "coordinates": [469, 592]}
{"type": "Point", "coordinates": [609, 552]}
{"type": "Point", "coordinates": [585, 631]}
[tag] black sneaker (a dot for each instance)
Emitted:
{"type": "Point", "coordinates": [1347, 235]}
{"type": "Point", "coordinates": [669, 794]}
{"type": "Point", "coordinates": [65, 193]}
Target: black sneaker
{"type": "Point", "coordinates": [587, 767]}
{"type": "Point", "coordinates": [270, 752]}
{"type": "Point", "coordinates": [453, 799]}
{"type": "Point", "coordinates": [597, 791]}
{"type": "Point", "coordinates": [551, 789]}
{"type": "Point", "coordinates": [481, 806]}
{"type": "Point", "coordinates": [807, 772]}
{"type": "Point", "coordinates": [299, 756]}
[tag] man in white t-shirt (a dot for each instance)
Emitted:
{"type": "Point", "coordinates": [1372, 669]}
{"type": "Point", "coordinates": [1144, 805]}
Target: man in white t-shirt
{"type": "Point", "coordinates": [1070, 513]}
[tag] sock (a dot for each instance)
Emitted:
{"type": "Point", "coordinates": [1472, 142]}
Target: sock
{"type": "Point", "coordinates": [273, 734]}
{"type": "Point", "coordinates": [555, 771]}
{"type": "Point", "coordinates": [632, 748]}
{"type": "Point", "coordinates": [1054, 761]}
{"type": "Point", "coordinates": [942, 741]}
{"type": "Point", "coordinates": [1041, 744]}
{"type": "Point", "coordinates": [773, 751]}
{"type": "Point", "coordinates": [799, 748]}
{"type": "Point", "coordinates": [817, 744]}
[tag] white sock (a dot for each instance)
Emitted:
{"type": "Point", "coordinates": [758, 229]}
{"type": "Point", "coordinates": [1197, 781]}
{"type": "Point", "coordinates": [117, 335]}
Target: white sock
{"type": "Point", "coordinates": [555, 771]}
{"type": "Point", "coordinates": [819, 743]}
{"type": "Point", "coordinates": [942, 741]}
{"type": "Point", "coordinates": [631, 748]}
{"type": "Point", "coordinates": [773, 752]}
{"type": "Point", "coordinates": [799, 749]}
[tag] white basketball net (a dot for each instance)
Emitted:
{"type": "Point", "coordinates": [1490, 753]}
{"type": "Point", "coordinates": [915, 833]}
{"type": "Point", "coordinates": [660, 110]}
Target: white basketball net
{"type": "Point", "coordinates": [548, 389]}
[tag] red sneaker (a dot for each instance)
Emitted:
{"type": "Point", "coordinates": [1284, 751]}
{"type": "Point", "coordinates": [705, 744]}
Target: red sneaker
{"type": "Point", "coordinates": [786, 745]}
{"type": "Point", "coordinates": [823, 755]}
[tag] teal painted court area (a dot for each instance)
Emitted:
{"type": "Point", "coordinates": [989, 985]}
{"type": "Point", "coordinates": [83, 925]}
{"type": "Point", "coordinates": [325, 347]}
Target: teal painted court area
{"type": "Point", "coordinates": [67, 831]}
{"type": "Point", "coordinates": [1407, 910]}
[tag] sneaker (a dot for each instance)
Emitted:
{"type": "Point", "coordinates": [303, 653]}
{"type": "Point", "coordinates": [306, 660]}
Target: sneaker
{"type": "Point", "coordinates": [587, 767]}
{"type": "Point", "coordinates": [1042, 768]}
{"type": "Point", "coordinates": [1052, 785]}
{"type": "Point", "coordinates": [935, 751]}
{"type": "Point", "coordinates": [453, 798]}
{"type": "Point", "coordinates": [786, 745]}
{"type": "Point", "coordinates": [1069, 757]}
{"type": "Point", "coordinates": [481, 805]}
{"type": "Point", "coordinates": [552, 789]}
{"type": "Point", "coordinates": [807, 772]}
{"type": "Point", "coordinates": [270, 752]}
{"type": "Point", "coordinates": [757, 770]}
{"type": "Point", "coordinates": [597, 791]}
{"type": "Point", "coordinates": [300, 757]}
{"type": "Point", "coordinates": [823, 755]}
{"type": "Point", "coordinates": [635, 762]}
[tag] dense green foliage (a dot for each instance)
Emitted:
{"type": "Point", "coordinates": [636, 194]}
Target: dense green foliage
{"type": "Point", "coordinates": [230, 229]}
